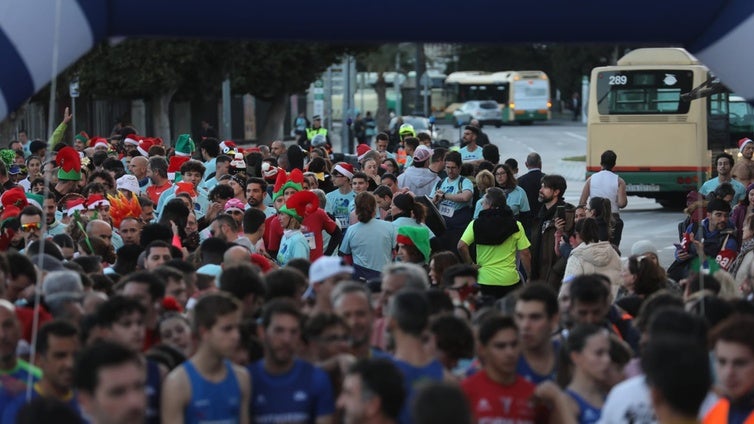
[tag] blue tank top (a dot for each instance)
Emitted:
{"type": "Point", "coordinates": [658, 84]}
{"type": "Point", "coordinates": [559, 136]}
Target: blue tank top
{"type": "Point", "coordinates": [216, 403]}
{"type": "Point", "coordinates": [153, 393]}
{"type": "Point", "coordinates": [588, 414]}
{"type": "Point", "coordinates": [524, 370]}
{"type": "Point", "coordinates": [412, 378]}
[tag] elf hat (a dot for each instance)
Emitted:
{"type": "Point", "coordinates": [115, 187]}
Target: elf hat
{"type": "Point", "coordinates": [35, 199]}
{"type": "Point", "coordinates": [293, 180]}
{"type": "Point", "coordinates": [83, 137]}
{"type": "Point", "coordinates": [361, 150]}
{"type": "Point", "coordinates": [14, 197]}
{"type": "Point", "coordinates": [184, 145]}
{"type": "Point", "coordinates": [69, 163]}
{"type": "Point", "coordinates": [345, 169]}
{"type": "Point", "coordinates": [300, 205]}
{"type": "Point", "coordinates": [96, 200]}
{"type": "Point", "coordinates": [743, 142]}
{"type": "Point", "coordinates": [417, 237]}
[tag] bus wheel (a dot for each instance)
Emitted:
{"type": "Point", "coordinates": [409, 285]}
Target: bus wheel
{"type": "Point", "coordinates": [673, 201]}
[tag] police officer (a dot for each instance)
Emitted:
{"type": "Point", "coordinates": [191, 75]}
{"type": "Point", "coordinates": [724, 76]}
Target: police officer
{"type": "Point", "coordinates": [316, 129]}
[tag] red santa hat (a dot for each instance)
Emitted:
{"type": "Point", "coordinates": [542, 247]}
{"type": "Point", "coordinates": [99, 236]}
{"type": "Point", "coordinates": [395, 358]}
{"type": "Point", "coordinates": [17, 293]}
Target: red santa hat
{"type": "Point", "coordinates": [14, 197]}
{"type": "Point", "coordinates": [96, 200]}
{"type": "Point", "coordinates": [743, 142]}
{"type": "Point", "coordinates": [185, 187]}
{"type": "Point", "coordinates": [361, 150]}
{"type": "Point", "coordinates": [99, 141]}
{"type": "Point", "coordinates": [144, 145]}
{"type": "Point", "coordinates": [345, 169]}
{"type": "Point", "coordinates": [74, 204]}
{"type": "Point", "coordinates": [132, 139]}
{"type": "Point", "coordinates": [174, 166]}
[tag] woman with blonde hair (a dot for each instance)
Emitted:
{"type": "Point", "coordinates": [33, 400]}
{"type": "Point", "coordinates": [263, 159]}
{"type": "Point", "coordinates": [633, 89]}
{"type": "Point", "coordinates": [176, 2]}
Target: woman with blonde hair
{"type": "Point", "coordinates": [484, 180]}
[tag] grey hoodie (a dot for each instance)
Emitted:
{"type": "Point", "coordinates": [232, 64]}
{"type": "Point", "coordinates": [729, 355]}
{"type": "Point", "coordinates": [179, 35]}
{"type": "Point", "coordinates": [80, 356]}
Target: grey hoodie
{"type": "Point", "coordinates": [420, 181]}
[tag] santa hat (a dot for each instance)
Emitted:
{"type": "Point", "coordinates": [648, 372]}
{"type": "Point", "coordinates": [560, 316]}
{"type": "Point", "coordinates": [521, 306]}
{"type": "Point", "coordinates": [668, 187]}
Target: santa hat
{"type": "Point", "coordinates": [185, 187]}
{"type": "Point", "coordinates": [262, 262]}
{"type": "Point", "coordinates": [345, 169]}
{"type": "Point", "coordinates": [14, 197]}
{"type": "Point", "coordinates": [361, 150]}
{"type": "Point", "coordinates": [228, 147]}
{"type": "Point", "coordinates": [144, 145]}
{"type": "Point", "coordinates": [99, 141]}
{"type": "Point", "coordinates": [96, 200]}
{"type": "Point", "coordinates": [743, 142]}
{"type": "Point", "coordinates": [238, 162]}
{"type": "Point", "coordinates": [293, 180]}
{"type": "Point", "coordinates": [184, 145]}
{"type": "Point", "coordinates": [82, 137]}
{"type": "Point", "coordinates": [174, 167]}
{"type": "Point", "coordinates": [74, 204]}
{"type": "Point", "coordinates": [132, 139]}
{"type": "Point", "coordinates": [69, 161]}
{"type": "Point", "coordinates": [300, 205]}
{"type": "Point", "coordinates": [269, 172]}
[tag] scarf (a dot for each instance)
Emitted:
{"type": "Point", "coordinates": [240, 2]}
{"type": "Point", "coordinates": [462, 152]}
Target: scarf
{"type": "Point", "coordinates": [746, 247]}
{"type": "Point", "coordinates": [494, 226]}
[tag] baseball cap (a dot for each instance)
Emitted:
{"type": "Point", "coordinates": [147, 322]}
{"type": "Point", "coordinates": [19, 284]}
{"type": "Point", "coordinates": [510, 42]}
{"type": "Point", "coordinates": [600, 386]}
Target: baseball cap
{"type": "Point", "coordinates": [324, 268]}
{"type": "Point", "coordinates": [422, 153]}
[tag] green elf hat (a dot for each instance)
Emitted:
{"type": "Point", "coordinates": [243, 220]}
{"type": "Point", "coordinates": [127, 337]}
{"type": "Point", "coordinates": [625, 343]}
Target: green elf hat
{"type": "Point", "coordinates": [35, 199]}
{"type": "Point", "coordinates": [82, 137]}
{"type": "Point", "coordinates": [294, 180]}
{"type": "Point", "coordinates": [184, 146]}
{"type": "Point", "coordinates": [69, 161]}
{"type": "Point", "coordinates": [300, 205]}
{"type": "Point", "coordinates": [417, 237]}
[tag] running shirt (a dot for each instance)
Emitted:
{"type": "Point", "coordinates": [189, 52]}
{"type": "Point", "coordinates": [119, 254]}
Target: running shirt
{"type": "Point", "coordinates": [153, 388]}
{"type": "Point", "coordinates": [588, 414]}
{"type": "Point", "coordinates": [11, 409]}
{"type": "Point", "coordinates": [448, 186]}
{"type": "Point", "coordinates": [299, 396]}
{"type": "Point", "coordinates": [413, 377]}
{"type": "Point", "coordinates": [216, 403]}
{"type": "Point", "coordinates": [154, 192]}
{"type": "Point", "coordinates": [339, 206]}
{"type": "Point", "coordinates": [292, 245]}
{"type": "Point", "coordinates": [524, 370]}
{"type": "Point", "coordinates": [313, 227]}
{"type": "Point", "coordinates": [468, 155]}
{"type": "Point", "coordinates": [492, 402]}
{"type": "Point", "coordinates": [371, 244]}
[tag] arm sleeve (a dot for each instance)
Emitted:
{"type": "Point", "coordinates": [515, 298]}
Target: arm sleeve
{"type": "Point", "coordinates": [57, 135]}
{"type": "Point", "coordinates": [467, 185]}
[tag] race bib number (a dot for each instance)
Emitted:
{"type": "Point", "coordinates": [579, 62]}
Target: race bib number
{"type": "Point", "coordinates": [310, 239]}
{"type": "Point", "coordinates": [446, 210]}
{"type": "Point", "coordinates": [342, 222]}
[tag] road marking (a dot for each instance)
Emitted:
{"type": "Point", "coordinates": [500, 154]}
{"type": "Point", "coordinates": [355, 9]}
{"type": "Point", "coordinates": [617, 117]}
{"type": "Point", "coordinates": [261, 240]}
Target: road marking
{"type": "Point", "coordinates": [580, 137]}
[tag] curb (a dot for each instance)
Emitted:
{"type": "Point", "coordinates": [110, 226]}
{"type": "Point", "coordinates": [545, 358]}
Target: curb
{"type": "Point", "coordinates": [571, 170]}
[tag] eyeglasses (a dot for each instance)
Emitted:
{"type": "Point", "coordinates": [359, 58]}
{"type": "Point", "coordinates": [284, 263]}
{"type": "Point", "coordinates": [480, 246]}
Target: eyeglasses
{"type": "Point", "coordinates": [32, 226]}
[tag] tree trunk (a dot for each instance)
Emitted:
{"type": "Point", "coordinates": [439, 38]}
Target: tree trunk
{"type": "Point", "coordinates": [161, 116]}
{"type": "Point", "coordinates": [381, 116]}
{"type": "Point", "coordinates": [273, 127]}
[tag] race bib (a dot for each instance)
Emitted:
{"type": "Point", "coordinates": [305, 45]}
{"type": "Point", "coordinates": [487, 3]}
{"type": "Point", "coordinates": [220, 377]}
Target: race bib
{"type": "Point", "coordinates": [343, 222]}
{"type": "Point", "coordinates": [446, 210]}
{"type": "Point", "coordinates": [310, 239]}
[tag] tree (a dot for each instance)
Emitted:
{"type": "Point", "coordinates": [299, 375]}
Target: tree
{"type": "Point", "coordinates": [273, 71]}
{"type": "Point", "coordinates": [380, 61]}
{"type": "Point", "coordinates": [150, 69]}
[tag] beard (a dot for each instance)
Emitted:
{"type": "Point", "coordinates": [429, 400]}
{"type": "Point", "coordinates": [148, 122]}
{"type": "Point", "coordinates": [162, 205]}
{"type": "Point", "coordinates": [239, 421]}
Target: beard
{"type": "Point", "coordinates": [544, 199]}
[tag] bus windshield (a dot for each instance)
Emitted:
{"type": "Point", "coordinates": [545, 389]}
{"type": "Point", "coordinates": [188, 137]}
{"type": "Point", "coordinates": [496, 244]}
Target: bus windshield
{"type": "Point", "coordinates": [643, 92]}
{"type": "Point", "coordinates": [496, 92]}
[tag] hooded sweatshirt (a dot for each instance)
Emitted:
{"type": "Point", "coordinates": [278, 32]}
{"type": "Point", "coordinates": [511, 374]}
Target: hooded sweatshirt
{"type": "Point", "coordinates": [420, 181]}
{"type": "Point", "coordinates": [599, 258]}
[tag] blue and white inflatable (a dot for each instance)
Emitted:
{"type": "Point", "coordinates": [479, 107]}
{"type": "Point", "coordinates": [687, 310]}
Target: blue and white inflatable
{"type": "Point", "coordinates": [37, 34]}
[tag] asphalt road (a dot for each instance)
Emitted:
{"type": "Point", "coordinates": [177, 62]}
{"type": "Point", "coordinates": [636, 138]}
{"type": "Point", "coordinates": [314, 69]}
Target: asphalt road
{"type": "Point", "coordinates": [555, 140]}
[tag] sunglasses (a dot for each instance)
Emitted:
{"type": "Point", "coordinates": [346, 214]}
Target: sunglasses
{"type": "Point", "coordinates": [33, 226]}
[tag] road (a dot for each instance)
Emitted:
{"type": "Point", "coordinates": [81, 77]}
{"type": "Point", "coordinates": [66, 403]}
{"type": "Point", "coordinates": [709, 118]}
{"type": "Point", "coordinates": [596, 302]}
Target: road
{"type": "Point", "coordinates": [555, 140]}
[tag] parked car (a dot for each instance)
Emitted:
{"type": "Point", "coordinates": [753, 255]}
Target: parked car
{"type": "Point", "coordinates": [487, 112]}
{"type": "Point", "coordinates": [420, 124]}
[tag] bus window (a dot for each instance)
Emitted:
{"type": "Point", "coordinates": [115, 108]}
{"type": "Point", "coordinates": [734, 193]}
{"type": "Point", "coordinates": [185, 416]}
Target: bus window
{"type": "Point", "coordinates": [643, 92]}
